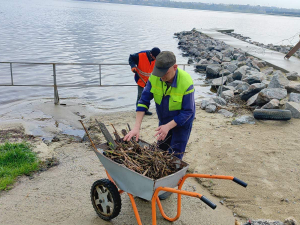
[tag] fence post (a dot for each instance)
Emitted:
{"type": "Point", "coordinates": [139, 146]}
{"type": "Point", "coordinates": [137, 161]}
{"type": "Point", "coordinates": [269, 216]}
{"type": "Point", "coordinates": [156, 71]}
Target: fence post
{"type": "Point", "coordinates": [292, 52]}
{"type": "Point", "coordinates": [100, 73]}
{"type": "Point", "coordinates": [221, 87]}
{"type": "Point", "coordinates": [11, 74]}
{"type": "Point", "coordinates": [56, 97]}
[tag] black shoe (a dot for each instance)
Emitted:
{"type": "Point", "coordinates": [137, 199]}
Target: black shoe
{"type": "Point", "coordinates": [148, 113]}
{"type": "Point", "coordinates": [165, 195]}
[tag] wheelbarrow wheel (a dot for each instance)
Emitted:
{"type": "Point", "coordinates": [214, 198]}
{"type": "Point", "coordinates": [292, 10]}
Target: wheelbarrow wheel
{"type": "Point", "coordinates": [106, 199]}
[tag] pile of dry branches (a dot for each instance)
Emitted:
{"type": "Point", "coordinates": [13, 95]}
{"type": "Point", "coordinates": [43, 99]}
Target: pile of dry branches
{"type": "Point", "coordinates": [148, 160]}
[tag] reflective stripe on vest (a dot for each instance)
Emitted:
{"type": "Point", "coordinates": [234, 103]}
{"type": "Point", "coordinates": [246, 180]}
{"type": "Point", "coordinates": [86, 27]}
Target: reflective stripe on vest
{"type": "Point", "coordinates": [159, 89]}
{"type": "Point", "coordinates": [144, 68]}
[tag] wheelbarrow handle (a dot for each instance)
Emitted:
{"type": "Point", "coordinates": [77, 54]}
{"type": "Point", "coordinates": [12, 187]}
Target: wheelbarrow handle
{"type": "Point", "coordinates": [240, 182]}
{"type": "Point", "coordinates": [208, 202]}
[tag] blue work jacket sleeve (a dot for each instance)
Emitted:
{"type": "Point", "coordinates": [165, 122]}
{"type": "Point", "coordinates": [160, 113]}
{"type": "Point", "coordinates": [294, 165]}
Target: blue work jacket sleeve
{"type": "Point", "coordinates": [188, 108]}
{"type": "Point", "coordinates": [147, 96]}
{"type": "Point", "coordinates": [133, 60]}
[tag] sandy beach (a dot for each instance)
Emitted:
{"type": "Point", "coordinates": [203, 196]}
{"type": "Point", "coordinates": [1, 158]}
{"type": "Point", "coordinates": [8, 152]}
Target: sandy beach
{"type": "Point", "coordinates": [264, 155]}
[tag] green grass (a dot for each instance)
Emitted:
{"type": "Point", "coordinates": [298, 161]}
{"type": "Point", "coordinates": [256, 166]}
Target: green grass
{"type": "Point", "coordinates": [15, 159]}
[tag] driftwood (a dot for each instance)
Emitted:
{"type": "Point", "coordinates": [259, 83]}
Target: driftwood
{"type": "Point", "coordinates": [107, 135]}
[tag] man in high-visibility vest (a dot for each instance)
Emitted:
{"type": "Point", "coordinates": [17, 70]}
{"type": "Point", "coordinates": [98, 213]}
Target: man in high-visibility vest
{"type": "Point", "coordinates": [173, 93]}
{"type": "Point", "coordinates": [142, 64]}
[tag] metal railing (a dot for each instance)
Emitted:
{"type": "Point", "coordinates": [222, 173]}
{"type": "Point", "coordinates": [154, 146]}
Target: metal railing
{"type": "Point", "coordinates": [55, 85]}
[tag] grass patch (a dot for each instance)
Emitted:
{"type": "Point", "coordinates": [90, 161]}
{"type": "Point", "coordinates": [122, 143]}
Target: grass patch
{"type": "Point", "coordinates": [16, 159]}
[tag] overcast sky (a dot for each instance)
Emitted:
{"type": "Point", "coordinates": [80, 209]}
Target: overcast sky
{"type": "Point", "coordinates": [277, 3]}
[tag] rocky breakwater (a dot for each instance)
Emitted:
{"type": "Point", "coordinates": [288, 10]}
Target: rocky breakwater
{"type": "Point", "coordinates": [279, 48]}
{"type": "Point", "coordinates": [243, 83]}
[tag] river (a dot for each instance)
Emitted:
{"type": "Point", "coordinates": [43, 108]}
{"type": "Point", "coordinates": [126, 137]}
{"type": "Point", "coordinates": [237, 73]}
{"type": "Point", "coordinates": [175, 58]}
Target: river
{"type": "Point", "coordinates": [93, 32]}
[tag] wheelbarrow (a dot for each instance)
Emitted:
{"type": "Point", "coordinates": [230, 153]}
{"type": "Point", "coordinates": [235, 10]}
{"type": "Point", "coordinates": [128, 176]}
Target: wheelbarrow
{"type": "Point", "coordinates": [105, 193]}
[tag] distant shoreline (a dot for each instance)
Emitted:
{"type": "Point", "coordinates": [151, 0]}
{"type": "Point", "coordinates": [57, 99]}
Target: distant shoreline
{"type": "Point", "coordinates": [262, 10]}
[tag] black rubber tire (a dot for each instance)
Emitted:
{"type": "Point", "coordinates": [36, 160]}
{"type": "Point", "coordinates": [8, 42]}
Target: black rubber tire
{"type": "Point", "coordinates": [272, 114]}
{"type": "Point", "coordinates": [113, 197]}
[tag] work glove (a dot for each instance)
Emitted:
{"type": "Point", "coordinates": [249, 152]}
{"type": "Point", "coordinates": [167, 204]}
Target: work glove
{"type": "Point", "coordinates": [133, 69]}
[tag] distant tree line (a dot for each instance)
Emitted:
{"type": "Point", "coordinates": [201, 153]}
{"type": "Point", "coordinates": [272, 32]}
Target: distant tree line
{"type": "Point", "coordinates": [206, 6]}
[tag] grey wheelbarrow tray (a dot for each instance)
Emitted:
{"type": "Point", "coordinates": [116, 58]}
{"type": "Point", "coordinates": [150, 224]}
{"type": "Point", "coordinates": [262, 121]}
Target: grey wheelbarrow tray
{"type": "Point", "coordinates": [136, 184]}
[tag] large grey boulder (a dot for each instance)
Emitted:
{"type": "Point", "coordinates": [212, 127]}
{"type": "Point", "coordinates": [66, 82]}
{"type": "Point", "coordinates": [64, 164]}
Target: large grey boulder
{"type": "Point", "coordinates": [278, 81]}
{"type": "Point", "coordinates": [268, 71]}
{"type": "Point", "coordinates": [226, 59]}
{"type": "Point", "coordinates": [227, 52]}
{"type": "Point", "coordinates": [219, 100]}
{"type": "Point", "coordinates": [243, 120]}
{"type": "Point", "coordinates": [259, 64]}
{"type": "Point", "coordinates": [294, 107]}
{"type": "Point", "coordinates": [211, 108]}
{"type": "Point", "coordinates": [205, 103]}
{"type": "Point", "coordinates": [242, 57]}
{"type": "Point", "coordinates": [219, 48]}
{"type": "Point", "coordinates": [253, 77]}
{"type": "Point", "coordinates": [218, 81]}
{"type": "Point", "coordinates": [232, 68]}
{"type": "Point", "coordinates": [225, 113]}
{"type": "Point", "coordinates": [235, 56]}
{"type": "Point", "coordinates": [242, 87]}
{"type": "Point", "coordinates": [252, 101]}
{"type": "Point", "coordinates": [242, 63]}
{"type": "Point", "coordinates": [265, 82]}
{"type": "Point", "coordinates": [219, 55]}
{"type": "Point", "coordinates": [212, 71]}
{"type": "Point", "coordinates": [203, 54]}
{"type": "Point", "coordinates": [294, 97]}
{"type": "Point", "coordinates": [235, 83]}
{"type": "Point", "coordinates": [225, 88]}
{"type": "Point", "coordinates": [216, 59]}
{"type": "Point", "coordinates": [293, 87]}
{"type": "Point", "coordinates": [252, 90]}
{"type": "Point", "coordinates": [229, 78]}
{"type": "Point", "coordinates": [192, 51]}
{"type": "Point", "coordinates": [201, 67]}
{"type": "Point", "coordinates": [227, 94]}
{"type": "Point", "coordinates": [292, 76]}
{"type": "Point", "coordinates": [268, 94]}
{"type": "Point", "coordinates": [210, 48]}
{"type": "Point", "coordinates": [202, 64]}
{"type": "Point", "coordinates": [224, 72]}
{"type": "Point", "coordinates": [240, 72]}
{"type": "Point", "coordinates": [254, 67]}
{"type": "Point", "coordinates": [273, 104]}
{"type": "Point", "coordinates": [278, 72]}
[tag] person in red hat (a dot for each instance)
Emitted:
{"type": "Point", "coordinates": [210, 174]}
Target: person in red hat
{"type": "Point", "coordinates": [142, 64]}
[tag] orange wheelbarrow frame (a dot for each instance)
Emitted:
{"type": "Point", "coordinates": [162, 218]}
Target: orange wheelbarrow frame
{"type": "Point", "coordinates": [155, 198]}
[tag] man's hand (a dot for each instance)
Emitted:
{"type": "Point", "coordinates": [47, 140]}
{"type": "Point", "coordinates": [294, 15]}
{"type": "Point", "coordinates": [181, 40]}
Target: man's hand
{"type": "Point", "coordinates": [133, 69]}
{"type": "Point", "coordinates": [135, 132]}
{"type": "Point", "coordinates": [162, 132]}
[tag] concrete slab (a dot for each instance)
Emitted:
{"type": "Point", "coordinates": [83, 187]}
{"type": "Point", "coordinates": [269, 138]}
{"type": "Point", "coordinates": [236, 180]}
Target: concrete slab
{"type": "Point", "coordinates": [275, 59]}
